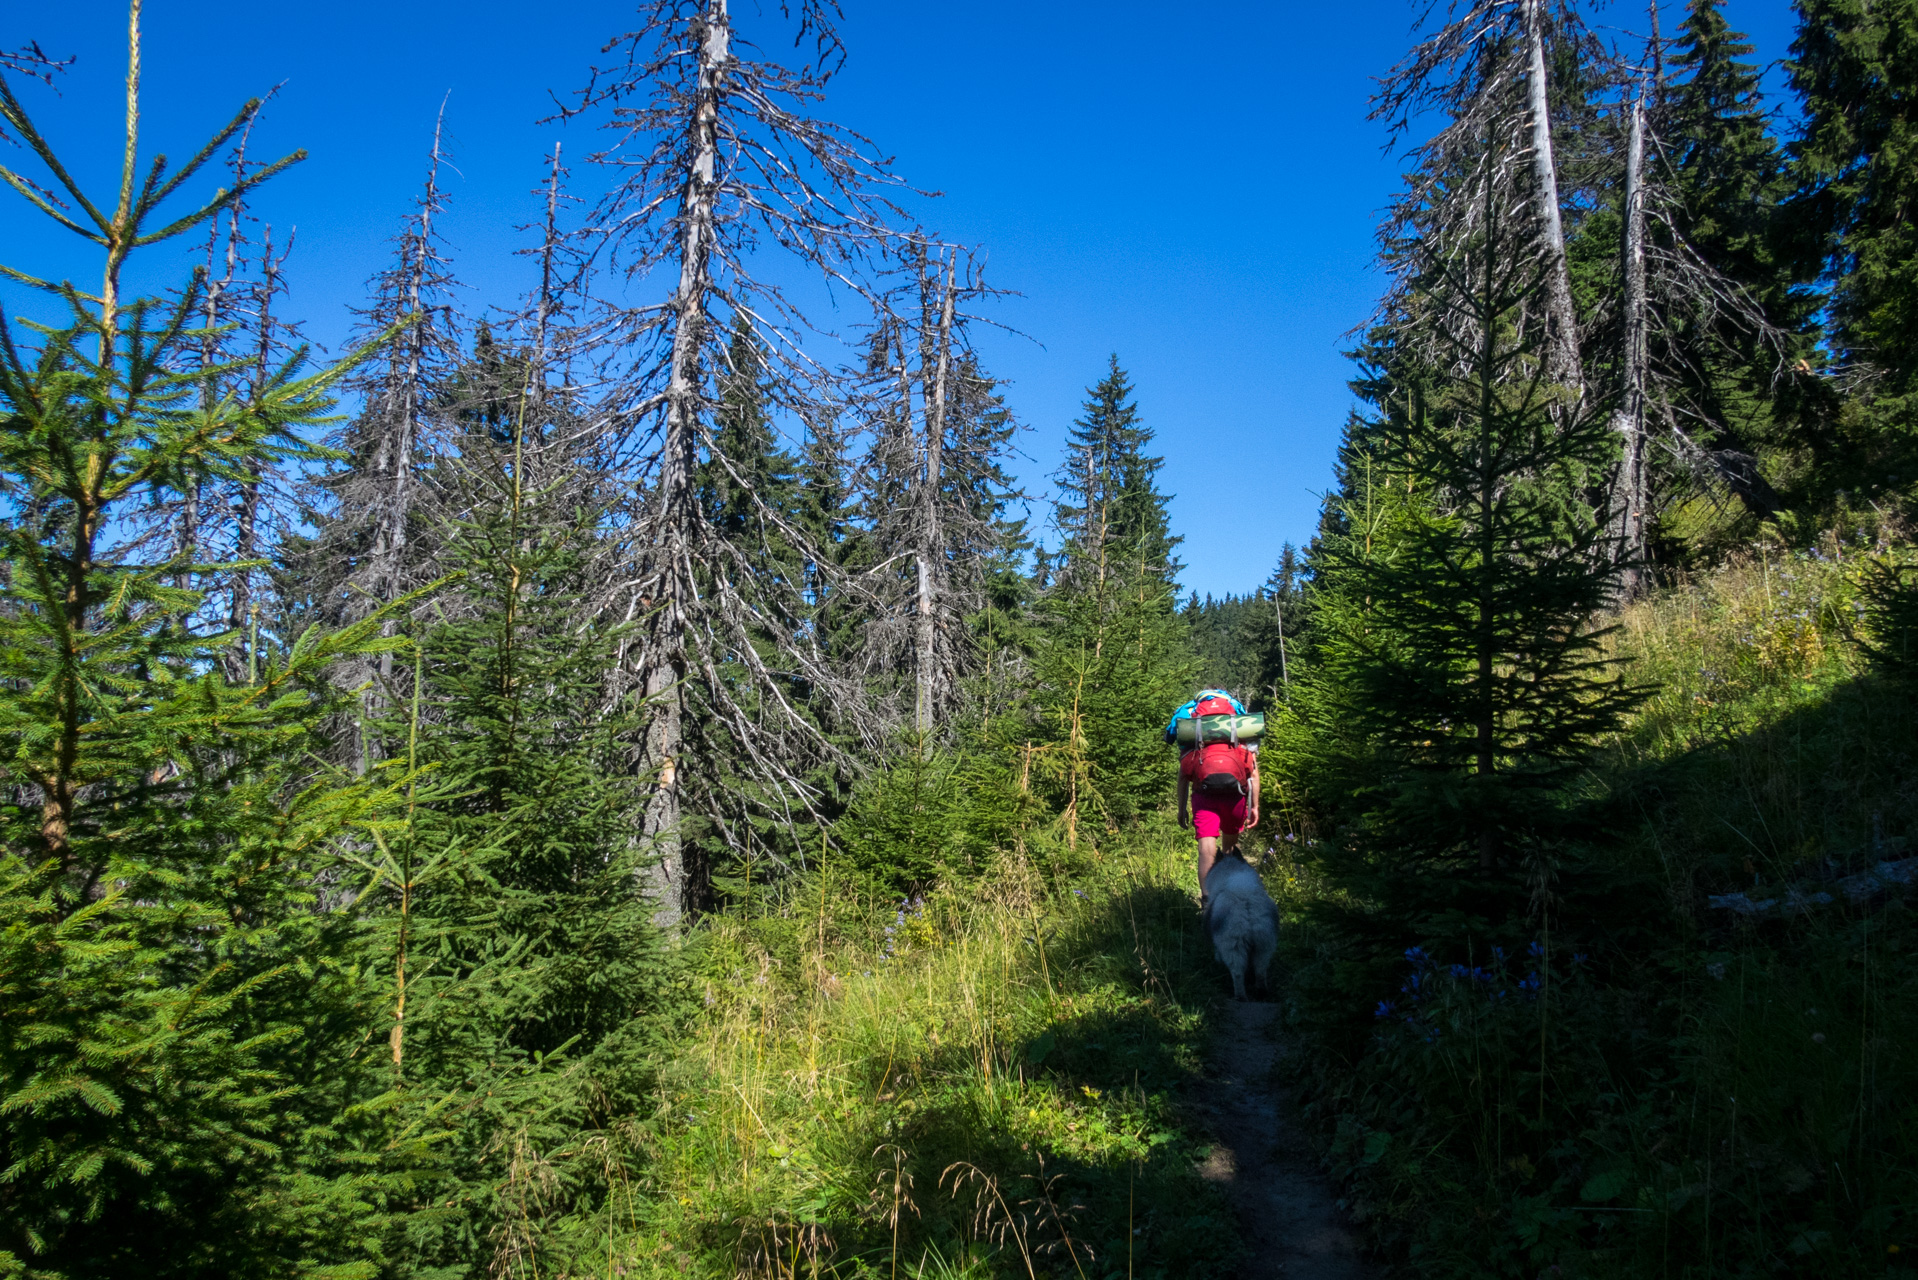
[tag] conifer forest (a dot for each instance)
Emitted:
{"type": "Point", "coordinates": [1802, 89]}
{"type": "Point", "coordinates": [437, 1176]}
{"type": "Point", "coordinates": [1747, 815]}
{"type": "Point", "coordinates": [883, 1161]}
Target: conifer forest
{"type": "Point", "coordinates": [632, 783]}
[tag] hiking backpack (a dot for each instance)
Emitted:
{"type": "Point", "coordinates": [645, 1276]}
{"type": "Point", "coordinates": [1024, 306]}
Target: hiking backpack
{"type": "Point", "coordinates": [1213, 716]}
{"type": "Point", "coordinates": [1217, 701]}
{"type": "Point", "coordinates": [1222, 769]}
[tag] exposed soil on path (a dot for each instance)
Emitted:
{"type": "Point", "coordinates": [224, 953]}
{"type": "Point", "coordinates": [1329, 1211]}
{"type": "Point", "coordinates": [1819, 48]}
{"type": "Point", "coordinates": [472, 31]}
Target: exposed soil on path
{"type": "Point", "coordinates": [1286, 1207]}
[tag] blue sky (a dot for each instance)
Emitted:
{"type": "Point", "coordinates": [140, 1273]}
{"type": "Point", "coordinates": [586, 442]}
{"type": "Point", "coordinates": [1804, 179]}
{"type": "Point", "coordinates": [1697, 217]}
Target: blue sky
{"type": "Point", "coordinates": [1191, 187]}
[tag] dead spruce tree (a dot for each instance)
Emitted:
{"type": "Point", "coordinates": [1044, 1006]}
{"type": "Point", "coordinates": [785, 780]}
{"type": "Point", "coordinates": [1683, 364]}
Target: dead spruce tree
{"type": "Point", "coordinates": [1486, 72]}
{"type": "Point", "coordinates": [935, 478]}
{"type": "Point", "coordinates": [1629, 499]}
{"type": "Point", "coordinates": [1682, 315]}
{"type": "Point", "coordinates": [720, 173]}
{"type": "Point", "coordinates": [245, 343]}
{"type": "Point", "coordinates": [1644, 340]}
{"type": "Point", "coordinates": [234, 346]}
{"type": "Point", "coordinates": [373, 511]}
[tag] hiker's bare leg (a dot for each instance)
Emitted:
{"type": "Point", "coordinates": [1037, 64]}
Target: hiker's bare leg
{"type": "Point", "coordinates": [1208, 854]}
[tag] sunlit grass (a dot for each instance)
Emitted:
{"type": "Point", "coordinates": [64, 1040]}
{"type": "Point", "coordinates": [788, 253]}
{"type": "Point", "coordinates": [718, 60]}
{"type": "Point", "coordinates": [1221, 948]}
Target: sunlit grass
{"type": "Point", "coordinates": [981, 1082]}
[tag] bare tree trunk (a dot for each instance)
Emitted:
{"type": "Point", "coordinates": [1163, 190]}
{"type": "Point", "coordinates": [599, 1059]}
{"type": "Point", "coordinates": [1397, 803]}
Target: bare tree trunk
{"type": "Point", "coordinates": [931, 553]}
{"type": "Point", "coordinates": [394, 531]}
{"type": "Point", "coordinates": [1628, 496]}
{"type": "Point", "coordinates": [247, 536]}
{"type": "Point", "coordinates": [212, 314]}
{"type": "Point", "coordinates": [1562, 352]}
{"type": "Point", "coordinates": [678, 512]}
{"type": "Point", "coordinates": [549, 244]}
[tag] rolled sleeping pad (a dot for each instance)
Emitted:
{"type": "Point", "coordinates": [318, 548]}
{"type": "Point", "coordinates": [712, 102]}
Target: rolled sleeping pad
{"type": "Point", "coordinates": [1190, 731]}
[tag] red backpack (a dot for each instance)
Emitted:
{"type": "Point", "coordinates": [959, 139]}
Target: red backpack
{"type": "Point", "coordinates": [1223, 769]}
{"type": "Point", "coordinates": [1214, 706]}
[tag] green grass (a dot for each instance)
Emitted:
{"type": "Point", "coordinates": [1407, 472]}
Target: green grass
{"type": "Point", "coordinates": [998, 1092]}
{"type": "Point", "coordinates": [992, 1081]}
{"type": "Point", "coordinates": [1686, 1093]}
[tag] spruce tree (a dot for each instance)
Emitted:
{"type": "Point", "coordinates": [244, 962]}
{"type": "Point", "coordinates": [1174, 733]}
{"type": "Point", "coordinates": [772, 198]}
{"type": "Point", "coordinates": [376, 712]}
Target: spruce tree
{"type": "Point", "coordinates": [1729, 181]}
{"type": "Point", "coordinates": [1114, 657]}
{"type": "Point", "coordinates": [738, 831]}
{"type": "Point", "coordinates": [1460, 642]}
{"type": "Point", "coordinates": [538, 980]}
{"type": "Point", "coordinates": [178, 1087]}
{"type": "Point", "coordinates": [828, 511]}
{"type": "Point", "coordinates": [1852, 64]}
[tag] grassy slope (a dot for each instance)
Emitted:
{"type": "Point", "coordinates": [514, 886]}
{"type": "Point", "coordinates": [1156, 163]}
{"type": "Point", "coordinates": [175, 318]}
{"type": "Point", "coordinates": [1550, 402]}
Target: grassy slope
{"type": "Point", "coordinates": [1690, 1094]}
{"type": "Point", "coordinates": [993, 1087]}
{"type": "Point", "coordinates": [984, 1083]}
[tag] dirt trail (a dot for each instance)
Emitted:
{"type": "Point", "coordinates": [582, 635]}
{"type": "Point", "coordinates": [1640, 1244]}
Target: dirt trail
{"type": "Point", "coordinates": [1286, 1208]}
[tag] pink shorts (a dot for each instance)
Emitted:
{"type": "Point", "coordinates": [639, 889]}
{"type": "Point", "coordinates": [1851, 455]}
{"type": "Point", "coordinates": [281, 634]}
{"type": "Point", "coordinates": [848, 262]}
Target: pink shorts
{"type": "Point", "coordinates": [1213, 814]}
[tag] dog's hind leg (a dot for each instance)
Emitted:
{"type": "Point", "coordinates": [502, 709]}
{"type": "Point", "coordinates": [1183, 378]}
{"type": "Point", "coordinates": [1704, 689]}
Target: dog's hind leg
{"type": "Point", "coordinates": [1263, 947]}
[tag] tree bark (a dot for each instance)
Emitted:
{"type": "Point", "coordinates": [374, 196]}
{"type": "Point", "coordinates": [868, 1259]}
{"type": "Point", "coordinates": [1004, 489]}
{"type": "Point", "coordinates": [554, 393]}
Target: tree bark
{"type": "Point", "coordinates": [1562, 350]}
{"type": "Point", "coordinates": [678, 512]}
{"type": "Point", "coordinates": [246, 538]}
{"type": "Point", "coordinates": [931, 547]}
{"type": "Point", "coordinates": [1628, 483]}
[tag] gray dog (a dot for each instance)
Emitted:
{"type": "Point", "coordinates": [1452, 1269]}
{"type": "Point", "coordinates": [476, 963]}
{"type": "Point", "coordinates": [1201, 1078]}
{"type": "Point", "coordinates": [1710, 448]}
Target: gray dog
{"type": "Point", "coordinates": [1242, 921]}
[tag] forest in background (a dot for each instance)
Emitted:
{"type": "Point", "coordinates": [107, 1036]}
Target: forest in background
{"type": "Point", "coordinates": [614, 787]}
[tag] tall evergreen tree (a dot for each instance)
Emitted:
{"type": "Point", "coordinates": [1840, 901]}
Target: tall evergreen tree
{"type": "Point", "coordinates": [1459, 643]}
{"type": "Point", "coordinates": [836, 543]}
{"type": "Point", "coordinates": [1109, 487]}
{"type": "Point", "coordinates": [533, 979]}
{"type": "Point", "coordinates": [1855, 64]}
{"type": "Point", "coordinates": [1733, 383]}
{"type": "Point", "coordinates": [179, 1092]}
{"type": "Point", "coordinates": [749, 486]}
{"type": "Point", "coordinates": [1114, 657]}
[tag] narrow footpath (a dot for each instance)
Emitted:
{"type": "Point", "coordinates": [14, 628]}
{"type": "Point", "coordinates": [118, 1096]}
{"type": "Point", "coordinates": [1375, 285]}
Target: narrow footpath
{"type": "Point", "coordinates": [1286, 1208]}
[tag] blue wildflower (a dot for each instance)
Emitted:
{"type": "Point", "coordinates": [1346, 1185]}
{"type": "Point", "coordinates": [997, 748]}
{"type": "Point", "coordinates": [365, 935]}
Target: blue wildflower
{"type": "Point", "coordinates": [1498, 954]}
{"type": "Point", "coordinates": [1417, 956]}
{"type": "Point", "coordinates": [1384, 1010]}
{"type": "Point", "coordinates": [1529, 984]}
{"type": "Point", "coordinates": [1460, 971]}
{"type": "Point", "coordinates": [1536, 949]}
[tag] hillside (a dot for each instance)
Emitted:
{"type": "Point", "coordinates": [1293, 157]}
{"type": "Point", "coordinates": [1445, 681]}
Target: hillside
{"type": "Point", "coordinates": [641, 778]}
{"type": "Point", "coordinates": [1004, 1073]}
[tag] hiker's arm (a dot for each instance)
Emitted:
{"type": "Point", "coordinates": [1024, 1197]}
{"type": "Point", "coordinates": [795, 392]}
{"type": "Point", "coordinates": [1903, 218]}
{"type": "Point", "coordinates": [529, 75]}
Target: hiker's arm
{"type": "Point", "coordinates": [1184, 788]}
{"type": "Point", "coordinates": [1252, 798]}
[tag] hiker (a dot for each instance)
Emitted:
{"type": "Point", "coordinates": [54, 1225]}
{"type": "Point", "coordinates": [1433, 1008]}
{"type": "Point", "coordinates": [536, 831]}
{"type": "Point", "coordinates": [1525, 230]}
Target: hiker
{"type": "Point", "coordinates": [1220, 782]}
